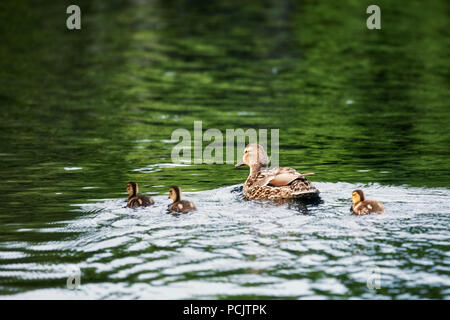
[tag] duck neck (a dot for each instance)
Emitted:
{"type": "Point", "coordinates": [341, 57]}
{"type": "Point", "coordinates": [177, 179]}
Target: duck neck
{"type": "Point", "coordinates": [254, 170]}
{"type": "Point", "coordinates": [134, 192]}
{"type": "Point", "coordinates": [177, 196]}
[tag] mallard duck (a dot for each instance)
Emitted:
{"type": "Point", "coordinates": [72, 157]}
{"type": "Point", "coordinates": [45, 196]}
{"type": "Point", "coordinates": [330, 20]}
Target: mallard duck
{"type": "Point", "coordinates": [178, 205]}
{"type": "Point", "coordinates": [135, 199]}
{"type": "Point", "coordinates": [273, 184]}
{"type": "Point", "coordinates": [361, 206]}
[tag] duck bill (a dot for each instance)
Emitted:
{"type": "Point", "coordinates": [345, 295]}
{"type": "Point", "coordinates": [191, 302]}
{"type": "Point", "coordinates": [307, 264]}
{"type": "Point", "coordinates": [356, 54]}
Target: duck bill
{"type": "Point", "coordinates": [240, 164]}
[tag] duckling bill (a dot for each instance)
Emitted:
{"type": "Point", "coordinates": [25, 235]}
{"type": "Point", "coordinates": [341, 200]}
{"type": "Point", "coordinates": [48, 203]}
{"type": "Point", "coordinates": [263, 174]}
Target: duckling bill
{"type": "Point", "coordinates": [178, 205]}
{"type": "Point", "coordinates": [137, 200]}
{"type": "Point", "coordinates": [361, 206]}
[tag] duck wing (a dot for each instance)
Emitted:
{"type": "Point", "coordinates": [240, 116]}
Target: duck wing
{"type": "Point", "coordinates": [279, 177]}
{"type": "Point", "coordinates": [140, 201]}
{"type": "Point", "coordinates": [374, 206]}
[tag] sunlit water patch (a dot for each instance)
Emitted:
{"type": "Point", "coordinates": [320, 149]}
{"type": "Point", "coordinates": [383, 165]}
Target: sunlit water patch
{"type": "Point", "coordinates": [234, 248]}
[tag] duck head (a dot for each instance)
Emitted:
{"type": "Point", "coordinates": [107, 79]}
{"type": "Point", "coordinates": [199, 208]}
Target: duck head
{"type": "Point", "coordinates": [132, 188]}
{"type": "Point", "coordinates": [357, 196]}
{"type": "Point", "coordinates": [255, 157]}
{"type": "Point", "coordinates": [175, 193]}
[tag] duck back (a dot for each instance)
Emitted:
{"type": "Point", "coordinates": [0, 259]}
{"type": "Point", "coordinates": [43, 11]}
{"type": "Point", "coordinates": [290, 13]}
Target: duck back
{"type": "Point", "coordinates": [182, 206]}
{"type": "Point", "coordinates": [140, 201]}
{"type": "Point", "coordinates": [259, 187]}
{"type": "Point", "coordinates": [368, 206]}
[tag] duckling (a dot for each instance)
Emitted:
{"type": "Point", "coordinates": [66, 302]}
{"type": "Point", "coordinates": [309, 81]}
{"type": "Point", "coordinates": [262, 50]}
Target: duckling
{"type": "Point", "coordinates": [178, 205]}
{"type": "Point", "coordinates": [361, 206]}
{"type": "Point", "coordinates": [273, 184]}
{"type": "Point", "coordinates": [135, 199]}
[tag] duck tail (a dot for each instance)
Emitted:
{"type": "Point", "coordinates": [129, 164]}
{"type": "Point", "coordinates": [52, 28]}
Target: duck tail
{"type": "Point", "coordinates": [307, 174]}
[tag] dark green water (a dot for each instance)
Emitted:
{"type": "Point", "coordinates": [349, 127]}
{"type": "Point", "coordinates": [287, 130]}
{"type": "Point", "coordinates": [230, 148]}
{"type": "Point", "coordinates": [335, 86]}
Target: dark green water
{"type": "Point", "coordinates": [84, 112]}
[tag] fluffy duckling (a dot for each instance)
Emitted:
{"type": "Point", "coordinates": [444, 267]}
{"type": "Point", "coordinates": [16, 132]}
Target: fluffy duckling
{"type": "Point", "coordinates": [178, 205]}
{"type": "Point", "coordinates": [361, 206]}
{"type": "Point", "coordinates": [135, 199]}
{"type": "Point", "coordinates": [273, 184]}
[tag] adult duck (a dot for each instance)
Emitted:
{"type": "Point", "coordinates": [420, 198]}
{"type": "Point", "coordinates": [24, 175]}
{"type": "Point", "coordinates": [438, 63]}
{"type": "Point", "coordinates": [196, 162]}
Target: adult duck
{"type": "Point", "coordinates": [273, 184]}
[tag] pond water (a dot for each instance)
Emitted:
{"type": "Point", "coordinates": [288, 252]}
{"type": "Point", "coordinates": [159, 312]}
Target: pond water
{"type": "Point", "coordinates": [84, 112]}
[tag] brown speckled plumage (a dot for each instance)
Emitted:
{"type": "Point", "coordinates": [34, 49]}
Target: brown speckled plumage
{"type": "Point", "coordinates": [273, 184]}
{"type": "Point", "coordinates": [258, 187]}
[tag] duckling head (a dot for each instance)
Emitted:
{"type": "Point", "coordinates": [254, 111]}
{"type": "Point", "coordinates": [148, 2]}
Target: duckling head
{"type": "Point", "coordinates": [357, 196]}
{"type": "Point", "coordinates": [254, 156]}
{"type": "Point", "coordinates": [132, 188]}
{"type": "Point", "coordinates": [175, 193]}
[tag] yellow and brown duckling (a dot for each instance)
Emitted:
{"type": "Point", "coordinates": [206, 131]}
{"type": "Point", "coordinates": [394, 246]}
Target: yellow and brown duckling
{"type": "Point", "coordinates": [135, 199]}
{"type": "Point", "coordinates": [273, 184]}
{"type": "Point", "coordinates": [178, 205]}
{"type": "Point", "coordinates": [362, 206]}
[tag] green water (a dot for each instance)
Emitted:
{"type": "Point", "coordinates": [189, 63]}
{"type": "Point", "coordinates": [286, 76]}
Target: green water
{"type": "Point", "coordinates": [84, 112]}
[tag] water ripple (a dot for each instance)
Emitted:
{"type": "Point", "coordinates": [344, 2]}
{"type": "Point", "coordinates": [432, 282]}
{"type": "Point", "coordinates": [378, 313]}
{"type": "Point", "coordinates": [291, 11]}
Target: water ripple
{"type": "Point", "coordinates": [236, 248]}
